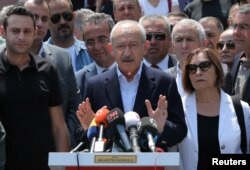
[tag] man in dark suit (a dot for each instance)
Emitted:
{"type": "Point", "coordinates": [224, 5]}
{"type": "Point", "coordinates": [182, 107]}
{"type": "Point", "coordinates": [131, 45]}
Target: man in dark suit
{"type": "Point", "coordinates": [132, 86]}
{"type": "Point", "coordinates": [96, 33]}
{"type": "Point", "coordinates": [241, 69]}
{"type": "Point", "coordinates": [62, 61]}
{"type": "Point", "coordinates": [159, 37]}
{"type": "Point", "coordinates": [78, 4]}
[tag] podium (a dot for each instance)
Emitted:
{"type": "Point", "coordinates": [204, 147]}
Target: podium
{"type": "Point", "coordinates": [114, 161]}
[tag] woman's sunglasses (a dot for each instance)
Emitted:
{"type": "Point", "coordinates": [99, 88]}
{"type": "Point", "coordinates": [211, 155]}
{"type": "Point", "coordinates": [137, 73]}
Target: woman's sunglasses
{"type": "Point", "coordinates": [204, 66]}
{"type": "Point", "coordinates": [68, 16]}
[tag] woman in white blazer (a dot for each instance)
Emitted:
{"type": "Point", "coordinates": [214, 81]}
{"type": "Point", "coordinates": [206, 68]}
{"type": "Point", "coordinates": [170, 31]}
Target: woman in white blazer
{"type": "Point", "coordinates": [212, 123]}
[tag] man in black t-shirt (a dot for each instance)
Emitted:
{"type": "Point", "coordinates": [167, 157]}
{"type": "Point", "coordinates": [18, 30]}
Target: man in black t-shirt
{"type": "Point", "coordinates": [2, 146]}
{"type": "Point", "coordinates": [30, 101]}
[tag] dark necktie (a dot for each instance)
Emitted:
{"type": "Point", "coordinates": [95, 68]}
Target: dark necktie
{"type": "Point", "coordinates": [43, 55]}
{"type": "Point", "coordinates": [155, 66]}
{"type": "Point", "coordinates": [104, 70]}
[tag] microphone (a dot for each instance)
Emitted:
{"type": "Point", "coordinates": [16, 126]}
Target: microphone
{"type": "Point", "coordinates": [132, 119]}
{"type": "Point", "coordinates": [100, 120]}
{"type": "Point", "coordinates": [92, 133]}
{"type": "Point", "coordinates": [147, 127]}
{"type": "Point", "coordinates": [116, 120]}
{"type": "Point", "coordinates": [77, 148]}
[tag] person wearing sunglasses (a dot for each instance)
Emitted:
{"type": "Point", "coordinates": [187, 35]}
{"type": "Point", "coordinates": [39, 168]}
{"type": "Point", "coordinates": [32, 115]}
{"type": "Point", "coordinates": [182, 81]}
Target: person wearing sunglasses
{"type": "Point", "coordinates": [227, 48]}
{"type": "Point", "coordinates": [158, 35]}
{"type": "Point", "coordinates": [184, 41]}
{"type": "Point", "coordinates": [213, 127]}
{"type": "Point", "coordinates": [227, 55]}
{"type": "Point", "coordinates": [62, 33]}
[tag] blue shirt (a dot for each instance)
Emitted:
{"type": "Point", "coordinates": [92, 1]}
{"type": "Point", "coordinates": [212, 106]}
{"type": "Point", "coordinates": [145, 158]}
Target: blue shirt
{"type": "Point", "coordinates": [81, 57]}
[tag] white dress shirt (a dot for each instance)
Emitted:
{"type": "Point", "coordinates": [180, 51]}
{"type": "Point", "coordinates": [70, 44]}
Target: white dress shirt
{"type": "Point", "coordinates": [163, 65]}
{"type": "Point", "coordinates": [129, 89]}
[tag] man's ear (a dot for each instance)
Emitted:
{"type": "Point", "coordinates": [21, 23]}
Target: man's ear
{"type": "Point", "coordinates": [2, 32]}
{"type": "Point", "coordinates": [110, 48]}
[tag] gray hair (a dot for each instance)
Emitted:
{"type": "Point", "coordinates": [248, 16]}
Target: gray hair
{"type": "Point", "coordinates": [114, 4]}
{"type": "Point", "coordinates": [214, 19]}
{"type": "Point", "coordinates": [97, 18]}
{"type": "Point", "coordinates": [155, 17]}
{"type": "Point", "coordinates": [132, 23]}
{"type": "Point", "coordinates": [190, 23]}
{"type": "Point", "coordinates": [244, 9]}
{"type": "Point", "coordinates": [81, 15]}
{"type": "Point", "coordinates": [36, 2]}
{"type": "Point", "coordinates": [59, 1]}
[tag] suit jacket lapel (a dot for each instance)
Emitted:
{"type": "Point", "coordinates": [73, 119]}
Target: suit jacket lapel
{"type": "Point", "coordinates": [47, 51]}
{"type": "Point", "coordinates": [190, 110]}
{"type": "Point", "coordinates": [91, 71]}
{"type": "Point", "coordinates": [224, 113]}
{"type": "Point", "coordinates": [112, 88]}
{"type": "Point", "coordinates": [172, 61]}
{"type": "Point", "coordinates": [145, 89]}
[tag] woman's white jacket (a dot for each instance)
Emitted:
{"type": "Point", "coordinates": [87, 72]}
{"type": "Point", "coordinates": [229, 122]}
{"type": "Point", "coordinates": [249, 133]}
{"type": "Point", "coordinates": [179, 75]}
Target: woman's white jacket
{"type": "Point", "coordinates": [229, 130]}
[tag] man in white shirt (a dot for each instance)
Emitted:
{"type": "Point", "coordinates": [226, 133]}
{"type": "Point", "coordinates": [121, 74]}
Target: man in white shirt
{"type": "Point", "coordinates": [185, 41]}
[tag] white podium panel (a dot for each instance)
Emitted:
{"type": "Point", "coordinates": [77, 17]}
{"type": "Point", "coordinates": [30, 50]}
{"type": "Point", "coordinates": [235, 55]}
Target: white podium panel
{"type": "Point", "coordinates": [113, 160]}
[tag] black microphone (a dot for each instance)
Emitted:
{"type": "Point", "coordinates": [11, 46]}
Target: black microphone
{"type": "Point", "coordinates": [116, 121]}
{"type": "Point", "coordinates": [132, 119]}
{"type": "Point", "coordinates": [147, 127]}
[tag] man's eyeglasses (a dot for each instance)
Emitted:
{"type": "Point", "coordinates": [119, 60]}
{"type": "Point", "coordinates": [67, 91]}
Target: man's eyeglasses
{"type": "Point", "coordinates": [242, 27]}
{"type": "Point", "coordinates": [68, 16]}
{"type": "Point", "coordinates": [158, 36]}
{"type": "Point", "coordinates": [230, 45]}
{"type": "Point", "coordinates": [101, 40]}
{"type": "Point", "coordinates": [204, 66]}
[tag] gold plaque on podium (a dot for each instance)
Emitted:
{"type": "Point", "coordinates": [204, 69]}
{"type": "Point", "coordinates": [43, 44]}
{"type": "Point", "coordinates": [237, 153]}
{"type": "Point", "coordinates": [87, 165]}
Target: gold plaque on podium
{"type": "Point", "coordinates": [115, 159]}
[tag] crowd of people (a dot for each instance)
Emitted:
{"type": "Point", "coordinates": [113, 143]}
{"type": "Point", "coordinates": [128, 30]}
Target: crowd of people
{"type": "Point", "coordinates": [171, 60]}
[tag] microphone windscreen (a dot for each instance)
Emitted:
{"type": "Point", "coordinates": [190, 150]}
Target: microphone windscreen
{"type": "Point", "coordinates": [100, 117]}
{"type": "Point", "coordinates": [147, 124]}
{"type": "Point", "coordinates": [131, 119]}
{"type": "Point", "coordinates": [93, 130]}
{"type": "Point", "coordinates": [115, 117]}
